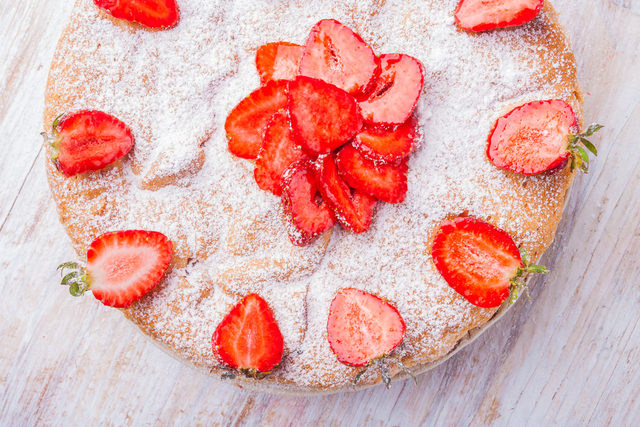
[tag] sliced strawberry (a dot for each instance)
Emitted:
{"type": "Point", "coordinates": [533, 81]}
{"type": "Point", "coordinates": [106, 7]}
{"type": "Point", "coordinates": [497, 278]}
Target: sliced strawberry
{"type": "Point", "coordinates": [279, 150]}
{"type": "Point", "coordinates": [481, 15]}
{"type": "Point", "coordinates": [150, 13]}
{"type": "Point", "coordinates": [537, 137]}
{"type": "Point", "coordinates": [308, 215]}
{"type": "Point", "coordinates": [87, 141]}
{"type": "Point", "coordinates": [247, 121]}
{"type": "Point", "coordinates": [280, 60]}
{"type": "Point", "coordinates": [354, 211]}
{"type": "Point", "coordinates": [395, 92]}
{"type": "Point", "coordinates": [480, 261]}
{"type": "Point", "coordinates": [386, 182]}
{"type": "Point", "coordinates": [323, 117]}
{"type": "Point", "coordinates": [388, 145]}
{"type": "Point", "coordinates": [337, 55]}
{"type": "Point", "coordinates": [122, 266]}
{"type": "Point", "coordinates": [363, 327]}
{"type": "Point", "coordinates": [248, 340]}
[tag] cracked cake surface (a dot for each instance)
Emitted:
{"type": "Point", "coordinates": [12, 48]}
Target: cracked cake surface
{"type": "Point", "coordinates": [174, 88]}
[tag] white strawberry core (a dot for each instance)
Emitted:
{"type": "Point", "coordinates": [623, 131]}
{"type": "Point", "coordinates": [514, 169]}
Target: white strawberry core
{"type": "Point", "coordinates": [122, 267]}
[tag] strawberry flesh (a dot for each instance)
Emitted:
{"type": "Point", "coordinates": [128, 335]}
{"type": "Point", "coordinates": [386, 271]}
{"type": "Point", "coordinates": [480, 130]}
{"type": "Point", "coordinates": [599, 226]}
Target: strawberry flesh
{"type": "Point", "coordinates": [278, 61]}
{"type": "Point", "coordinates": [279, 150]}
{"type": "Point", "coordinates": [88, 141]}
{"type": "Point", "coordinates": [247, 121]}
{"type": "Point", "coordinates": [248, 339]}
{"type": "Point", "coordinates": [482, 15]}
{"type": "Point", "coordinates": [123, 266]}
{"type": "Point", "coordinates": [323, 117]}
{"type": "Point", "coordinates": [532, 139]}
{"type": "Point", "coordinates": [476, 259]}
{"type": "Point", "coordinates": [308, 215]}
{"type": "Point", "coordinates": [337, 55]}
{"type": "Point", "coordinates": [150, 13]}
{"type": "Point", "coordinates": [362, 327]}
{"type": "Point", "coordinates": [388, 145]}
{"type": "Point", "coordinates": [354, 210]}
{"type": "Point", "coordinates": [395, 92]}
{"type": "Point", "coordinates": [386, 182]}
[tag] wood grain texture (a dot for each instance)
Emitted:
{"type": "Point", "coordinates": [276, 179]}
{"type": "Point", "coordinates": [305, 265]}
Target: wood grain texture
{"type": "Point", "coordinates": [569, 357]}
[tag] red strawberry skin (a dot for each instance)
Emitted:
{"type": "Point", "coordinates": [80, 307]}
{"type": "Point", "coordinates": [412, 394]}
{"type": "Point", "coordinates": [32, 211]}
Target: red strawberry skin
{"type": "Point", "coordinates": [278, 61]}
{"type": "Point", "coordinates": [482, 15]}
{"type": "Point", "coordinates": [532, 139]}
{"type": "Point", "coordinates": [87, 141]}
{"type": "Point", "coordinates": [386, 182]}
{"type": "Point", "coordinates": [323, 117]}
{"type": "Point", "coordinates": [337, 55]}
{"type": "Point", "coordinates": [354, 212]}
{"type": "Point", "coordinates": [247, 121]}
{"type": "Point", "coordinates": [308, 217]}
{"type": "Point", "coordinates": [279, 150]}
{"type": "Point", "coordinates": [150, 13]}
{"type": "Point", "coordinates": [388, 145]}
{"type": "Point", "coordinates": [248, 339]}
{"type": "Point", "coordinates": [476, 259]}
{"type": "Point", "coordinates": [395, 92]}
{"type": "Point", "coordinates": [362, 327]}
{"type": "Point", "coordinates": [123, 266]}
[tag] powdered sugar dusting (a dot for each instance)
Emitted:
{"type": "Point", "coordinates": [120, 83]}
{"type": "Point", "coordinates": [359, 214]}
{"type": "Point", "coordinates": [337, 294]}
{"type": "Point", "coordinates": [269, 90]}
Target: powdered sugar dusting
{"type": "Point", "coordinates": [174, 88]}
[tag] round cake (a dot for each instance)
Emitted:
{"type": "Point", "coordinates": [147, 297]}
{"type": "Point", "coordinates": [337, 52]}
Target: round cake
{"type": "Point", "coordinates": [175, 87]}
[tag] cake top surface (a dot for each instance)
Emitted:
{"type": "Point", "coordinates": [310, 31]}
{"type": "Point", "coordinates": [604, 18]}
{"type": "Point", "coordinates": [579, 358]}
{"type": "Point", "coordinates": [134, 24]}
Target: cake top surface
{"type": "Point", "coordinates": [174, 88]}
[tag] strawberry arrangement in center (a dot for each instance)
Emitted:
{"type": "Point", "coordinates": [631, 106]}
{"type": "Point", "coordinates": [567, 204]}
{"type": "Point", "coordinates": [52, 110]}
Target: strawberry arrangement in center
{"type": "Point", "coordinates": [330, 128]}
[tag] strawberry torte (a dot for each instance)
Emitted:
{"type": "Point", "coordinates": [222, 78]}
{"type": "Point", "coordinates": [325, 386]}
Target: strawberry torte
{"type": "Point", "coordinates": [175, 88]}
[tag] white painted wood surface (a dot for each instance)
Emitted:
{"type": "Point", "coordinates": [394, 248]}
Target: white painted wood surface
{"type": "Point", "coordinates": [570, 357]}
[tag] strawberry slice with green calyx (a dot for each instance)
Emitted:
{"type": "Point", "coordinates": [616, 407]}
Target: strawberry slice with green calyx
{"type": "Point", "coordinates": [539, 137]}
{"type": "Point", "coordinates": [323, 116]}
{"type": "Point", "coordinates": [388, 145]}
{"type": "Point", "coordinates": [482, 15]}
{"type": "Point", "coordinates": [150, 13]}
{"type": "Point", "coordinates": [354, 210]}
{"type": "Point", "coordinates": [386, 182]}
{"type": "Point", "coordinates": [247, 121]}
{"type": "Point", "coordinates": [395, 91]}
{"type": "Point", "coordinates": [363, 330]}
{"type": "Point", "coordinates": [481, 262]}
{"type": "Point", "coordinates": [248, 341]}
{"type": "Point", "coordinates": [87, 141]}
{"type": "Point", "coordinates": [279, 150]}
{"type": "Point", "coordinates": [122, 266]}
{"type": "Point", "coordinates": [278, 61]}
{"type": "Point", "coordinates": [337, 55]}
{"type": "Point", "coordinates": [307, 213]}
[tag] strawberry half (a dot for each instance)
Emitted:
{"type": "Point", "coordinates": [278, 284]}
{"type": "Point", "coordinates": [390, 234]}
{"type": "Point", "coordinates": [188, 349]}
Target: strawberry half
{"type": "Point", "coordinates": [122, 266]}
{"type": "Point", "coordinates": [279, 150]}
{"type": "Point", "coordinates": [354, 210]}
{"type": "Point", "coordinates": [247, 121]}
{"type": "Point", "coordinates": [248, 340]}
{"type": "Point", "coordinates": [308, 215]}
{"type": "Point", "coordinates": [337, 55]}
{"type": "Point", "coordinates": [363, 329]}
{"type": "Point", "coordinates": [386, 182]}
{"type": "Point", "coordinates": [87, 141]}
{"type": "Point", "coordinates": [481, 15]}
{"type": "Point", "coordinates": [323, 116]}
{"type": "Point", "coordinates": [537, 137]}
{"type": "Point", "coordinates": [388, 145]}
{"type": "Point", "coordinates": [280, 60]}
{"type": "Point", "coordinates": [480, 261]}
{"type": "Point", "coordinates": [150, 13]}
{"type": "Point", "coordinates": [395, 92]}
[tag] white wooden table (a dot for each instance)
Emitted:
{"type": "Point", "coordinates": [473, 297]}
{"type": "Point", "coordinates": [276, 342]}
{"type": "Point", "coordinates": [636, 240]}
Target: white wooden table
{"type": "Point", "coordinates": [569, 357]}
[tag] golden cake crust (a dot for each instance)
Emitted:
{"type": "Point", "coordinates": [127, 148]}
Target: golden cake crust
{"type": "Point", "coordinates": [175, 87]}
